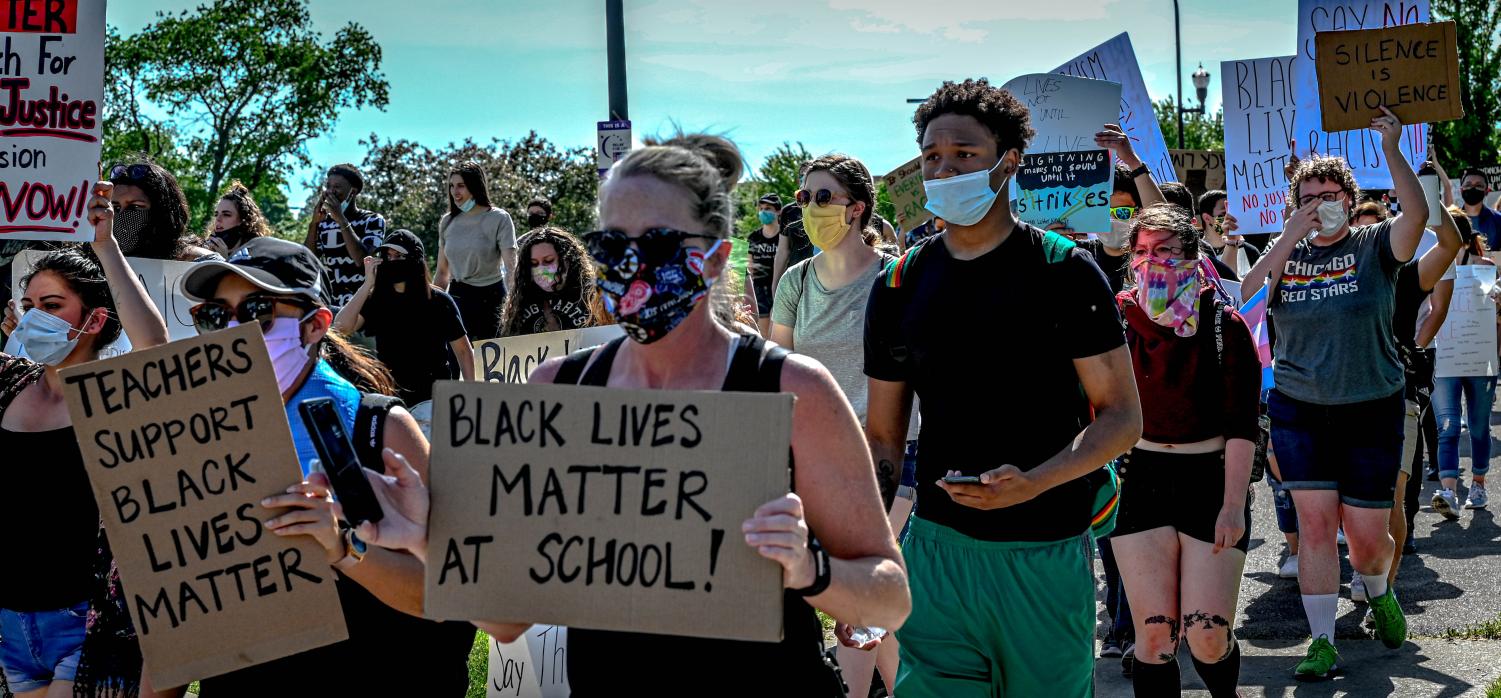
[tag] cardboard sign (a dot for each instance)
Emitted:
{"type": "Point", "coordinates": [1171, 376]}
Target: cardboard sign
{"type": "Point", "coordinates": [614, 143]}
{"type": "Point", "coordinates": [1200, 170]}
{"type": "Point", "coordinates": [1259, 113]}
{"type": "Point", "coordinates": [1413, 70]}
{"type": "Point", "coordinates": [160, 279]}
{"type": "Point", "coordinates": [1115, 61]}
{"type": "Point", "coordinates": [512, 359]}
{"type": "Point", "coordinates": [52, 61]}
{"type": "Point", "coordinates": [904, 188]}
{"type": "Point", "coordinates": [1068, 188]}
{"type": "Point", "coordinates": [1362, 146]}
{"type": "Point", "coordinates": [1467, 341]}
{"type": "Point", "coordinates": [534, 665]}
{"type": "Point", "coordinates": [605, 508]}
{"type": "Point", "coordinates": [181, 442]}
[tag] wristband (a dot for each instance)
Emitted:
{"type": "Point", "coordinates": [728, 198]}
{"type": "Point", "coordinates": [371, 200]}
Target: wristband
{"type": "Point", "coordinates": [1140, 170]}
{"type": "Point", "coordinates": [822, 574]}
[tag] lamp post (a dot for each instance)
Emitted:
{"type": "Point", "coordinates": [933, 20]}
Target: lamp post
{"type": "Point", "coordinates": [615, 58]}
{"type": "Point", "coordinates": [1200, 79]}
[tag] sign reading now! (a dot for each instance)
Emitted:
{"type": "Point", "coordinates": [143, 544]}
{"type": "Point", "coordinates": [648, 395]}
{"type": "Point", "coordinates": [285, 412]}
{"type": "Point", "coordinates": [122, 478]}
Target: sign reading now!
{"type": "Point", "coordinates": [605, 508]}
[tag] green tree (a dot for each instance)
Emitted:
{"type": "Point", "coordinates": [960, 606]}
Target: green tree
{"type": "Point", "coordinates": [778, 174]}
{"type": "Point", "coordinates": [1473, 140]}
{"type": "Point", "coordinates": [1200, 132]}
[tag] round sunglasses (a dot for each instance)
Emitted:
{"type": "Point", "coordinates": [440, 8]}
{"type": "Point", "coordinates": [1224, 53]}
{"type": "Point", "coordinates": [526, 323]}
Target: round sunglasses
{"type": "Point", "coordinates": [655, 246]}
{"type": "Point", "coordinates": [213, 316]}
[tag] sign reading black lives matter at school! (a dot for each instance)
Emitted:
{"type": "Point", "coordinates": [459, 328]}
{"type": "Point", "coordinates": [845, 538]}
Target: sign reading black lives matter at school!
{"type": "Point", "coordinates": [1413, 70]}
{"type": "Point", "coordinates": [605, 508]}
{"type": "Point", "coordinates": [51, 96]}
{"type": "Point", "coordinates": [181, 442]}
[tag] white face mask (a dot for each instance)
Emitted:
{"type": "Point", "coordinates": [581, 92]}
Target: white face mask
{"type": "Point", "coordinates": [45, 337]}
{"type": "Point", "coordinates": [1120, 232]}
{"type": "Point", "coordinates": [963, 199]}
{"type": "Point", "coordinates": [1332, 217]}
{"type": "Point", "coordinates": [466, 206]}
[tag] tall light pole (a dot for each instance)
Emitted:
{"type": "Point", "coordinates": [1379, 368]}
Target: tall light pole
{"type": "Point", "coordinates": [615, 54]}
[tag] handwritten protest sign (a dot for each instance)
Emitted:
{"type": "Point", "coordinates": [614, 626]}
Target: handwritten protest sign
{"type": "Point", "coordinates": [181, 442]}
{"type": "Point", "coordinates": [607, 509]}
{"type": "Point", "coordinates": [1062, 178]}
{"type": "Point", "coordinates": [1413, 70]}
{"type": "Point", "coordinates": [1200, 170]}
{"type": "Point", "coordinates": [1115, 61]}
{"type": "Point", "coordinates": [534, 665]}
{"type": "Point", "coordinates": [904, 188]}
{"type": "Point", "coordinates": [1467, 341]}
{"type": "Point", "coordinates": [1362, 146]}
{"type": "Point", "coordinates": [1260, 110]}
{"type": "Point", "coordinates": [512, 359]}
{"type": "Point", "coordinates": [52, 65]}
{"type": "Point", "coordinates": [160, 278]}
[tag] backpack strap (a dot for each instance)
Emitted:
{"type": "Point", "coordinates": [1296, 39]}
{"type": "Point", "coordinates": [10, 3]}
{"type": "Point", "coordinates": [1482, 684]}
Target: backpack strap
{"type": "Point", "coordinates": [369, 433]}
{"type": "Point", "coordinates": [1219, 332]}
{"type": "Point", "coordinates": [572, 372]}
{"type": "Point", "coordinates": [897, 270]}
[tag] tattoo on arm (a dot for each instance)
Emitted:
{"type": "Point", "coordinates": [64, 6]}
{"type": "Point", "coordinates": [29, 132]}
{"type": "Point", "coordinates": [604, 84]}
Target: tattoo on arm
{"type": "Point", "coordinates": [889, 478]}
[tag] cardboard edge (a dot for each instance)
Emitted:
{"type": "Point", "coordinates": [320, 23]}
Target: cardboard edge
{"type": "Point", "coordinates": [274, 648]}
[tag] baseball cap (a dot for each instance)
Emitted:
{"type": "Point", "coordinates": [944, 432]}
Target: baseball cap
{"type": "Point", "coordinates": [405, 242]}
{"type": "Point", "coordinates": [273, 265]}
{"type": "Point", "coordinates": [773, 198]}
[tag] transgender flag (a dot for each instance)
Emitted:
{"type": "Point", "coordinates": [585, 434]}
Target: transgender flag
{"type": "Point", "coordinates": [1254, 311]}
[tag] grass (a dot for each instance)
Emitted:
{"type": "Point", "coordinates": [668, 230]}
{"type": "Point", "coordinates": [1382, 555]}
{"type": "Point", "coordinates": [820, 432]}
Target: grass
{"type": "Point", "coordinates": [1489, 630]}
{"type": "Point", "coordinates": [1494, 691]}
{"type": "Point", "coordinates": [479, 665]}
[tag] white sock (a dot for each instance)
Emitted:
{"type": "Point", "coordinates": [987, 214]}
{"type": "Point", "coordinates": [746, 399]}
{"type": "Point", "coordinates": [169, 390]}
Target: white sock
{"type": "Point", "coordinates": [1321, 610]}
{"type": "Point", "coordinates": [1375, 585]}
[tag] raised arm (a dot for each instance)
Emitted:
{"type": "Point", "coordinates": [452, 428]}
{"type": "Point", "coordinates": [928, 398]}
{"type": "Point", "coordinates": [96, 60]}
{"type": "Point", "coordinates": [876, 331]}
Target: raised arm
{"type": "Point", "coordinates": [139, 316]}
{"type": "Point", "coordinates": [1116, 140]}
{"type": "Point", "coordinates": [1407, 227]}
{"type": "Point", "coordinates": [1434, 262]}
{"type": "Point", "coordinates": [1268, 269]}
{"type": "Point", "coordinates": [351, 317]}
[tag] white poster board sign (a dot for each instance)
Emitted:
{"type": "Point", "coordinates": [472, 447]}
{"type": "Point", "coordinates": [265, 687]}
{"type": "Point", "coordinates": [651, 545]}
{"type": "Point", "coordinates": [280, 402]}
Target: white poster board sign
{"type": "Point", "coordinates": [1362, 147]}
{"type": "Point", "coordinates": [1053, 187]}
{"type": "Point", "coordinates": [534, 665]}
{"type": "Point", "coordinates": [52, 58]}
{"type": "Point", "coordinates": [1260, 110]}
{"type": "Point", "coordinates": [1467, 341]}
{"type": "Point", "coordinates": [1115, 61]}
{"type": "Point", "coordinates": [614, 143]}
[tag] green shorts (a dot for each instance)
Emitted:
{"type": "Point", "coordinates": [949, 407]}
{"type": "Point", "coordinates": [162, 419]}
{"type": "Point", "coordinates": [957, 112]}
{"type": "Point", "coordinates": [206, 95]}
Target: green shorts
{"type": "Point", "coordinates": [996, 619]}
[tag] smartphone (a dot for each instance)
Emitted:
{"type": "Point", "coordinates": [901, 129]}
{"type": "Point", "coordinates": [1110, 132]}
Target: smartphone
{"type": "Point", "coordinates": [962, 479]}
{"type": "Point", "coordinates": [337, 456]}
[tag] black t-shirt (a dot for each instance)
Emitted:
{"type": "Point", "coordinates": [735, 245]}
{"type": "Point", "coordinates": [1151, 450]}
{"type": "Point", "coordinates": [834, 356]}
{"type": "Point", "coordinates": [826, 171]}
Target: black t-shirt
{"type": "Point", "coordinates": [1113, 267]}
{"type": "Point", "coordinates": [345, 274]}
{"type": "Point", "coordinates": [762, 252]}
{"type": "Point", "coordinates": [413, 341]}
{"type": "Point", "coordinates": [988, 345]}
{"type": "Point", "coordinates": [801, 247]}
{"type": "Point", "coordinates": [1416, 366]}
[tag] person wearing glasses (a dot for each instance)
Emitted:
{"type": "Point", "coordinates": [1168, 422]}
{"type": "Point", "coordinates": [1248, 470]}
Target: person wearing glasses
{"type": "Point", "coordinates": [73, 305]}
{"type": "Point", "coordinates": [1134, 188]}
{"type": "Point", "coordinates": [476, 250]}
{"type": "Point", "coordinates": [151, 215]}
{"type": "Point", "coordinates": [276, 283]}
{"type": "Point", "coordinates": [418, 332]}
{"type": "Point", "coordinates": [1337, 410]}
{"type": "Point", "coordinates": [553, 287]}
{"type": "Point", "coordinates": [1200, 382]}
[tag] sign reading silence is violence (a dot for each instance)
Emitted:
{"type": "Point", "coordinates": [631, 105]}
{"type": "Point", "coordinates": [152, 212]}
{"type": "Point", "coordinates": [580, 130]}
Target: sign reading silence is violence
{"type": "Point", "coordinates": [605, 508]}
{"type": "Point", "coordinates": [181, 442]}
{"type": "Point", "coordinates": [1412, 70]}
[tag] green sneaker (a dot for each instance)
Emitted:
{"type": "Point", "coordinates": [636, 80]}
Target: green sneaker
{"type": "Point", "coordinates": [1391, 625]}
{"type": "Point", "coordinates": [1321, 662]}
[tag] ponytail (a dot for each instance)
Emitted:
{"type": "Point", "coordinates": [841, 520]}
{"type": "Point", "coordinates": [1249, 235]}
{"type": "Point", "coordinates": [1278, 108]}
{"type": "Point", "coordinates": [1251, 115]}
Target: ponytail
{"type": "Point", "coordinates": [356, 365]}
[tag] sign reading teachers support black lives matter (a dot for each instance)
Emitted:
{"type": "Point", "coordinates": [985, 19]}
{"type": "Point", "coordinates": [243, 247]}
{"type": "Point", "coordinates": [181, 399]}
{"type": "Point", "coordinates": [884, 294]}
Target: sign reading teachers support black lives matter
{"type": "Point", "coordinates": [605, 508]}
{"type": "Point", "coordinates": [51, 92]}
{"type": "Point", "coordinates": [1413, 70]}
{"type": "Point", "coordinates": [181, 442]}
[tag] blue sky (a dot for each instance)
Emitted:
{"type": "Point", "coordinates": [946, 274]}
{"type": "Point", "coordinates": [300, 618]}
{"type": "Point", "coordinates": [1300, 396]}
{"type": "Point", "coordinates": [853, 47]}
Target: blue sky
{"type": "Point", "coordinates": [833, 74]}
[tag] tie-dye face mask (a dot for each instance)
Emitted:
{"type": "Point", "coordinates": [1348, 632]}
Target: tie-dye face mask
{"type": "Point", "coordinates": [1168, 290]}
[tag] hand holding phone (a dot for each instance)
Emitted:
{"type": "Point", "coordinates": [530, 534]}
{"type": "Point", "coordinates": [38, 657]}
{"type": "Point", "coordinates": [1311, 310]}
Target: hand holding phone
{"type": "Point", "coordinates": [962, 479]}
{"type": "Point", "coordinates": [340, 463]}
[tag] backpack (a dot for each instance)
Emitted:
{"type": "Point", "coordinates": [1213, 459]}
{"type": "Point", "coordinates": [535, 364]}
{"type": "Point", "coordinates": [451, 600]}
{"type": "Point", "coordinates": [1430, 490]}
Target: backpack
{"type": "Point", "coordinates": [369, 434]}
{"type": "Point", "coordinates": [1105, 482]}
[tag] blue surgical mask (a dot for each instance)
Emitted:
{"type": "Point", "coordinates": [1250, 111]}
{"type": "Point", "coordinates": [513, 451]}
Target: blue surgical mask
{"type": "Point", "coordinates": [45, 337]}
{"type": "Point", "coordinates": [464, 207]}
{"type": "Point", "coordinates": [963, 199]}
{"type": "Point", "coordinates": [768, 217]}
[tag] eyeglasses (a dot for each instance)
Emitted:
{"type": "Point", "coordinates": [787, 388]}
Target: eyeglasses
{"type": "Point", "coordinates": [214, 316]}
{"type": "Point", "coordinates": [1161, 251]}
{"type": "Point", "coordinates": [655, 246]}
{"type": "Point", "coordinates": [1328, 196]}
{"type": "Point", "coordinates": [1123, 213]}
{"type": "Point", "coordinates": [137, 171]}
{"type": "Point", "coordinates": [822, 197]}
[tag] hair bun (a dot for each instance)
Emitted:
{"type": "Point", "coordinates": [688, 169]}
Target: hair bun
{"type": "Point", "coordinates": [723, 155]}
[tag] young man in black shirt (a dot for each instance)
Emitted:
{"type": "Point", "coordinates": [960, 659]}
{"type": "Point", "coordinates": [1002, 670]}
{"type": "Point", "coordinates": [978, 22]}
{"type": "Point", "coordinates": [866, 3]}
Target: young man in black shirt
{"type": "Point", "coordinates": [342, 234]}
{"type": "Point", "coordinates": [1010, 337]}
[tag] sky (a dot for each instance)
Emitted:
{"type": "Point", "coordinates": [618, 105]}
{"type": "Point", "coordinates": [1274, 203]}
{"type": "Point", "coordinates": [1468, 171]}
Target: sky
{"type": "Point", "coordinates": [831, 74]}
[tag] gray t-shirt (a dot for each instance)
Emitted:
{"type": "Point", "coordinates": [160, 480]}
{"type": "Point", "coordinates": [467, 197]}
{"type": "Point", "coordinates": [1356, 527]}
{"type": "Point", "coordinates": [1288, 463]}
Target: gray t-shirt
{"type": "Point", "coordinates": [1332, 315]}
{"type": "Point", "coordinates": [473, 242]}
{"type": "Point", "coordinates": [828, 325]}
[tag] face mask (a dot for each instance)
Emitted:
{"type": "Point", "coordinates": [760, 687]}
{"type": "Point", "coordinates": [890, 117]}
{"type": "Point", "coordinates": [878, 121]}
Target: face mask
{"type": "Point", "coordinates": [44, 336]}
{"type": "Point", "coordinates": [545, 276]}
{"type": "Point", "coordinates": [1332, 217]}
{"type": "Point", "coordinates": [1168, 290]}
{"type": "Point", "coordinates": [767, 217]}
{"type": "Point", "coordinates": [1120, 232]}
{"type": "Point", "coordinates": [1472, 196]}
{"type": "Point", "coordinates": [130, 229]}
{"type": "Point", "coordinates": [466, 206]}
{"type": "Point", "coordinates": [825, 225]}
{"type": "Point", "coordinates": [962, 200]}
{"type": "Point", "coordinates": [288, 355]}
{"type": "Point", "coordinates": [536, 220]}
{"type": "Point", "coordinates": [650, 301]}
{"type": "Point", "coordinates": [232, 237]}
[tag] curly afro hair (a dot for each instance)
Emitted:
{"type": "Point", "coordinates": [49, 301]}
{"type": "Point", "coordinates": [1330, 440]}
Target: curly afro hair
{"type": "Point", "coordinates": [1000, 111]}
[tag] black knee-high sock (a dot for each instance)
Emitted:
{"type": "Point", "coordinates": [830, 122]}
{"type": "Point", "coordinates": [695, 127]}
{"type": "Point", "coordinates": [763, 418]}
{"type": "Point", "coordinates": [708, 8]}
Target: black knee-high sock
{"type": "Point", "coordinates": [1155, 680]}
{"type": "Point", "coordinates": [1220, 677]}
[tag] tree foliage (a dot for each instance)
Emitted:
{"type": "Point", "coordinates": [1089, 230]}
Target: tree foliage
{"type": "Point", "coordinates": [1200, 132]}
{"type": "Point", "coordinates": [778, 174]}
{"type": "Point", "coordinates": [1473, 140]}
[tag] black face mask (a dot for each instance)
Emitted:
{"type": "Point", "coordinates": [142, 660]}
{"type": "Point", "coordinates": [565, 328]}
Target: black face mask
{"type": "Point", "coordinates": [1472, 196]}
{"type": "Point", "coordinates": [233, 237]}
{"type": "Point", "coordinates": [131, 230]}
{"type": "Point", "coordinates": [536, 220]}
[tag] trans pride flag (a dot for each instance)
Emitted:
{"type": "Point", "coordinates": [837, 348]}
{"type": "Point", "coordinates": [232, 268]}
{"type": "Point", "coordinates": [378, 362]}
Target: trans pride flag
{"type": "Point", "coordinates": [1254, 311]}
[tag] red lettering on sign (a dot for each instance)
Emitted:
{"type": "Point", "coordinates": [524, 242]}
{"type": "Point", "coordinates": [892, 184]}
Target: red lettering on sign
{"type": "Point", "coordinates": [39, 16]}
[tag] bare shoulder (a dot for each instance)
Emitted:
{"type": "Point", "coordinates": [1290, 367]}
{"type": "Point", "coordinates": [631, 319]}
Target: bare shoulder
{"type": "Point", "coordinates": [547, 372]}
{"type": "Point", "coordinates": [805, 377]}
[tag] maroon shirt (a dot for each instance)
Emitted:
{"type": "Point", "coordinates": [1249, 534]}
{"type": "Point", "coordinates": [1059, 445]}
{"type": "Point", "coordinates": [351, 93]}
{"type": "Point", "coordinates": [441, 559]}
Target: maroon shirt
{"type": "Point", "coordinates": [1188, 394]}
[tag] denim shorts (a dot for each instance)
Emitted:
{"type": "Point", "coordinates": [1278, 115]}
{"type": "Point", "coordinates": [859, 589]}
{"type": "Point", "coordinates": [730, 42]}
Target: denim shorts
{"type": "Point", "coordinates": [1354, 449]}
{"type": "Point", "coordinates": [39, 647]}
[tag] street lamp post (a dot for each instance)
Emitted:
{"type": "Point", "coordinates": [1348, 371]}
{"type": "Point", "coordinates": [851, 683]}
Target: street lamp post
{"type": "Point", "coordinates": [1200, 79]}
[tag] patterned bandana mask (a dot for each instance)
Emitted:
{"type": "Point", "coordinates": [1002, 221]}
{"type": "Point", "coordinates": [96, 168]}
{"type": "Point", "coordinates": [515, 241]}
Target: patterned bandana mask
{"type": "Point", "coordinates": [1168, 290]}
{"type": "Point", "coordinates": [649, 301]}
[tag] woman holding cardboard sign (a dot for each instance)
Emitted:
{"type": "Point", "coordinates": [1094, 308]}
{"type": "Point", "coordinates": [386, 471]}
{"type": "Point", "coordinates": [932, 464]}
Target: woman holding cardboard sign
{"type": "Point", "coordinates": [73, 305]}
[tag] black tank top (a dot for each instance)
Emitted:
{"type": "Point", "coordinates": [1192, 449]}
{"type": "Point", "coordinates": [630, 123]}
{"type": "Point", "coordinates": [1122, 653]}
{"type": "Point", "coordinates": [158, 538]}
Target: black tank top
{"type": "Point", "coordinates": [56, 543]}
{"type": "Point", "coordinates": [607, 663]}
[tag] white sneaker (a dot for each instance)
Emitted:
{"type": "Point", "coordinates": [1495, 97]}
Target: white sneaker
{"type": "Point", "coordinates": [1339, 536]}
{"type": "Point", "coordinates": [1446, 504]}
{"type": "Point", "coordinates": [1477, 498]}
{"type": "Point", "coordinates": [1289, 569]}
{"type": "Point", "coordinates": [1357, 590]}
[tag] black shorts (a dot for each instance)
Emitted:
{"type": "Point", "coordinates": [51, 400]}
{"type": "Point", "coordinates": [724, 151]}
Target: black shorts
{"type": "Point", "coordinates": [1182, 491]}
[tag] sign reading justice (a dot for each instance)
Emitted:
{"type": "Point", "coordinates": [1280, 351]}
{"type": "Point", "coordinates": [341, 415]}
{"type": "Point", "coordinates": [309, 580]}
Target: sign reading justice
{"type": "Point", "coordinates": [605, 508]}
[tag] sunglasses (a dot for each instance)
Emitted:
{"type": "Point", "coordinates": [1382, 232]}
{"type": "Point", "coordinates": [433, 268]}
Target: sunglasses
{"type": "Point", "coordinates": [130, 172]}
{"type": "Point", "coordinates": [1123, 213]}
{"type": "Point", "coordinates": [214, 316]}
{"type": "Point", "coordinates": [655, 246]}
{"type": "Point", "coordinates": [822, 197]}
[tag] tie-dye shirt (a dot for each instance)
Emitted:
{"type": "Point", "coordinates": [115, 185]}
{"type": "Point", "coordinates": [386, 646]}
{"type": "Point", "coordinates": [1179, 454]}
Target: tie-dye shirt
{"type": "Point", "coordinates": [1333, 307]}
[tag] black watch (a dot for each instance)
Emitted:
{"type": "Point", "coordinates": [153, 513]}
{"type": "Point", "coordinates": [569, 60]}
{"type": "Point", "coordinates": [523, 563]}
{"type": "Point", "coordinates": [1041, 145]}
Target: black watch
{"type": "Point", "coordinates": [822, 574]}
{"type": "Point", "coordinates": [1140, 170]}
